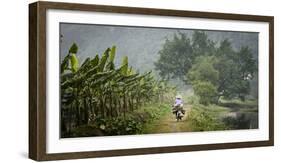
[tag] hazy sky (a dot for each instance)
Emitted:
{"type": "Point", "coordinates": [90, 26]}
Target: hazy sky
{"type": "Point", "coordinates": [140, 44]}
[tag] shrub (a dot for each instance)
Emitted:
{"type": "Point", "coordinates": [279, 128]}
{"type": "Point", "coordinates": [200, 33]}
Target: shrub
{"type": "Point", "coordinates": [86, 130]}
{"type": "Point", "coordinates": [203, 119]}
{"type": "Point", "coordinates": [193, 99]}
{"type": "Point", "coordinates": [206, 92]}
{"type": "Point", "coordinates": [122, 126]}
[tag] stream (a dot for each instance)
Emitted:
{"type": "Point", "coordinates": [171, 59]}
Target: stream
{"type": "Point", "coordinates": [241, 118]}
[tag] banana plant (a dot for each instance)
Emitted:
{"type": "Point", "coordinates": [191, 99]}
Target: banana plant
{"type": "Point", "coordinates": [100, 89]}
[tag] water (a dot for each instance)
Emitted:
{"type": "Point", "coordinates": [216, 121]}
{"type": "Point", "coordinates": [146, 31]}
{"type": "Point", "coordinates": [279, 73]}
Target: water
{"type": "Point", "coordinates": [241, 119]}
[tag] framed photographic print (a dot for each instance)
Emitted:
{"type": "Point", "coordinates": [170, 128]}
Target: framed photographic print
{"type": "Point", "coordinates": [112, 81]}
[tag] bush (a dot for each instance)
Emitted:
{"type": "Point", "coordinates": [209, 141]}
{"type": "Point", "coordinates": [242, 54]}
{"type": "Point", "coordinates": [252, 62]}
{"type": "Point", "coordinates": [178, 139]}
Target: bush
{"type": "Point", "coordinates": [86, 130]}
{"type": "Point", "coordinates": [134, 122]}
{"type": "Point", "coordinates": [122, 126]}
{"type": "Point", "coordinates": [193, 99]}
{"type": "Point", "coordinates": [206, 91]}
{"type": "Point", "coordinates": [202, 119]}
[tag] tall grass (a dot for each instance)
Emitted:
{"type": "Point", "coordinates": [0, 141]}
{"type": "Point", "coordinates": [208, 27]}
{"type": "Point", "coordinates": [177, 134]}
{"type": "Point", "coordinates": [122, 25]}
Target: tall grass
{"type": "Point", "coordinates": [202, 118]}
{"type": "Point", "coordinates": [219, 117]}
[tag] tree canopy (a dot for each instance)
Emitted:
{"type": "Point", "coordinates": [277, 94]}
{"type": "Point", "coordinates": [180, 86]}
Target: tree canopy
{"type": "Point", "coordinates": [176, 57]}
{"type": "Point", "coordinates": [217, 68]}
{"type": "Point", "coordinates": [178, 54]}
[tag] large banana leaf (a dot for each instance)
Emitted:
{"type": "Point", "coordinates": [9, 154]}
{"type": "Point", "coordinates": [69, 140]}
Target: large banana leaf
{"type": "Point", "coordinates": [73, 49]}
{"type": "Point", "coordinates": [124, 69]}
{"type": "Point", "coordinates": [77, 80]}
{"type": "Point", "coordinates": [112, 54]}
{"type": "Point", "coordinates": [110, 65]}
{"type": "Point", "coordinates": [65, 64]}
{"type": "Point", "coordinates": [74, 62]}
{"type": "Point", "coordinates": [124, 78]}
{"type": "Point", "coordinates": [88, 64]}
{"type": "Point", "coordinates": [103, 60]}
{"type": "Point", "coordinates": [66, 76]}
{"type": "Point", "coordinates": [95, 61]}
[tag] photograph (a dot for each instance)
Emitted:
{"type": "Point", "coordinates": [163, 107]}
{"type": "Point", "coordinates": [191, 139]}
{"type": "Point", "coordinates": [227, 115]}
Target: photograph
{"type": "Point", "coordinates": [134, 80]}
{"type": "Point", "coordinates": [108, 80]}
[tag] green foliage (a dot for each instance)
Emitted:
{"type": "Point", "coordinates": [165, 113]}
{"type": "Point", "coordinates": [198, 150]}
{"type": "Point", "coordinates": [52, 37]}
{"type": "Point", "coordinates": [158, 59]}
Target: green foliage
{"type": "Point", "coordinates": [86, 130]}
{"type": "Point", "coordinates": [95, 61]}
{"type": "Point", "coordinates": [203, 70]}
{"type": "Point", "coordinates": [110, 64]}
{"type": "Point", "coordinates": [124, 69]}
{"type": "Point", "coordinates": [201, 44]}
{"type": "Point", "coordinates": [112, 54]}
{"type": "Point", "coordinates": [206, 91]}
{"type": "Point", "coordinates": [198, 59]}
{"type": "Point", "coordinates": [204, 79]}
{"type": "Point", "coordinates": [229, 114]}
{"type": "Point", "coordinates": [70, 58]}
{"type": "Point", "coordinates": [152, 114]}
{"type": "Point", "coordinates": [204, 119]}
{"type": "Point", "coordinates": [122, 126]}
{"type": "Point", "coordinates": [73, 48]}
{"type": "Point", "coordinates": [74, 63]}
{"type": "Point", "coordinates": [98, 91]}
{"type": "Point", "coordinates": [103, 60]}
{"type": "Point", "coordinates": [156, 111]}
{"type": "Point", "coordinates": [134, 123]}
{"type": "Point", "coordinates": [178, 55]}
{"type": "Point", "coordinates": [247, 64]}
{"type": "Point", "coordinates": [236, 70]}
{"type": "Point", "coordinates": [65, 64]}
{"type": "Point", "coordinates": [192, 99]}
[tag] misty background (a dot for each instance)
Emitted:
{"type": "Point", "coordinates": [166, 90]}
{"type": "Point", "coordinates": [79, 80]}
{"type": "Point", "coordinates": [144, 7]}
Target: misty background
{"type": "Point", "coordinates": [140, 44]}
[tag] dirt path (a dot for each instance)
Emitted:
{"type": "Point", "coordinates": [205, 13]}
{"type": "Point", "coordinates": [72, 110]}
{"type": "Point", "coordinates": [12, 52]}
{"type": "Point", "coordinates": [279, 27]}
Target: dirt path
{"type": "Point", "coordinates": [169, 124]}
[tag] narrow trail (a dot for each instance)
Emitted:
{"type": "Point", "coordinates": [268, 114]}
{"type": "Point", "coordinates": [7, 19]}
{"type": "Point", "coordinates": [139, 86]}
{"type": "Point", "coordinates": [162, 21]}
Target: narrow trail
{"type": "Point", "coordinates": [169, 124]}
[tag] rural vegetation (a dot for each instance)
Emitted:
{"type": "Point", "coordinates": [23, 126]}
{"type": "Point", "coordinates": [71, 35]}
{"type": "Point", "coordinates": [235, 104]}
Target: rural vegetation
{"type": "Point", "coordinates": [214, 71]}
{"type": "Point", "coordinates": [101, 98]}
{"type": "Point", "coordinates": [221, 78]}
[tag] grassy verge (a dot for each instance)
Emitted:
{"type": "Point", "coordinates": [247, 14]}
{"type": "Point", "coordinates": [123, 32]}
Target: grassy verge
{"type": "Point", "coordinates": [228, 114]}
{"type": "Point", "coordinates": [206, 118]}
{"type": "Point", "coordinates": [154, 112]}
{"type": "Point", "coordinates": [133, 123]}
{"type": "Point", "coordinates": [160, 111]}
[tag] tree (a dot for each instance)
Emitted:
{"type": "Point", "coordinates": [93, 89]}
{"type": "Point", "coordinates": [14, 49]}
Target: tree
{"type": "Point", "coordinates": [178, 54]}
{"type": "Point", "coordinates": [199, 59]}
{"type": "Point", "coordinates": [236, 70]}
{"type": "Point", "coordinates": [203, 70]}
{"type": "Point", "coordinates": [227, 71]}
{"type": "Point", "coordinates": [201, 44]}
{"type": "Point", "coordinates": [246, 67]}
{"type": "Point", "coordinates": [206, 91]}
{"type": "Point", "coordinates": [176, 57]}
{"type": "Point", "coordinates": [246, 62]}
{"type": "Point", "coordinates": [204, 79]}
